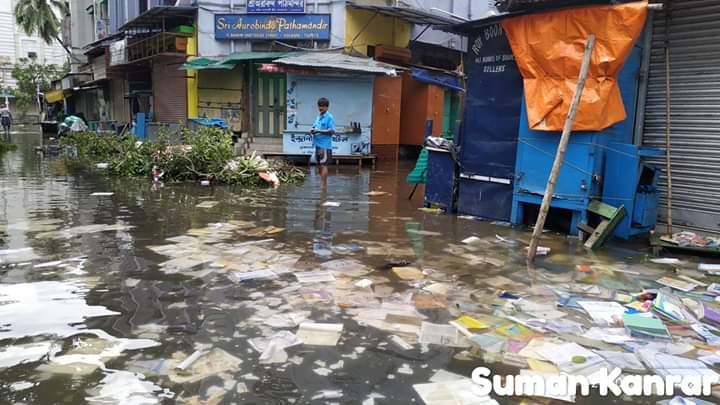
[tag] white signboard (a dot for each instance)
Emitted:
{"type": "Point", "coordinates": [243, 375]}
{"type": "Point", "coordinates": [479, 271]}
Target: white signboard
{"type": "Point", "coordinates": [297, 143]}
{"type": "Point", "coordinates": [118, 52]}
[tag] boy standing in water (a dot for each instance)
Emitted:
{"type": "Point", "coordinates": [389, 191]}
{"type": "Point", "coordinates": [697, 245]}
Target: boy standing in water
{"type": "Point", "coordinates": [322, 130]}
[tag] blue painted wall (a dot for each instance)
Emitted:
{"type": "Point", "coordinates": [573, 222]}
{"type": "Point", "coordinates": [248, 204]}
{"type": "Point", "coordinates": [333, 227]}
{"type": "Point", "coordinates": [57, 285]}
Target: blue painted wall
{"type": "Point", "coordinates": [350, 98]}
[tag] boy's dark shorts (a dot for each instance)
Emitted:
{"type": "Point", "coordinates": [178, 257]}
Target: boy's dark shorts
{"type": "Point", "coordinates": [323, 156]}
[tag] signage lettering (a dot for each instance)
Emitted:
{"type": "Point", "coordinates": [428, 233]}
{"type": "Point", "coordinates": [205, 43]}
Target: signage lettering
{"type": "Point", "coordinates": [261, 27]}
{"type": "Point", "coordinates": [275, 6]}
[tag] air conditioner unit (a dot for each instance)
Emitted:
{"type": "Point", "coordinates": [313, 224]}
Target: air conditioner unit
{"type": "Point", "coordinates": [392, 54]}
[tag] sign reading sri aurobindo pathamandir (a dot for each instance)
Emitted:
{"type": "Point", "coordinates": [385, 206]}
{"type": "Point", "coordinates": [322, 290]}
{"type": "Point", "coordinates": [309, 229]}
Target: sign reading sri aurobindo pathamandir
{"type": "Point", "coordinates": [268, 27]}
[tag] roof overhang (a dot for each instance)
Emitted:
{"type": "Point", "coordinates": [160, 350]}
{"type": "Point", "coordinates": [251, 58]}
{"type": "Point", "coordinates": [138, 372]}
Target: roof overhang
{"type": "Point", "coordinates": [340, 61]}
{"type": "Point", "coordinates": [538, 6]}
{"type": "Point", "coordinates": [229, 62]}
{"type": "Point", "coordinates": [97, 48]}
{"type": "Point", "coordinates": [155, 17]}
{"type": "Point", "coordinates": [411, 15]}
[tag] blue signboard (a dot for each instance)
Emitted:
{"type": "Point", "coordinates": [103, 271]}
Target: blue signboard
{"type": "Point", "coordinates": [267, 27]}
{"type": "Point", "coordinates": [275, 6]}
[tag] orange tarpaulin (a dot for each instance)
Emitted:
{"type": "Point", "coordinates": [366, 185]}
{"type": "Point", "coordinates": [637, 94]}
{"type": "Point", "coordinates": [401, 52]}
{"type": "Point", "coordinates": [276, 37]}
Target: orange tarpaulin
{"type": "Point", "coordinates": [549, 48]}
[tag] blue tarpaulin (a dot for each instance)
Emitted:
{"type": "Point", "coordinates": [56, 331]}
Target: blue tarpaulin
{"type": "Point", "coordinates": [211, 122]}
{"type": "Point", "coordinates": [438, 78]}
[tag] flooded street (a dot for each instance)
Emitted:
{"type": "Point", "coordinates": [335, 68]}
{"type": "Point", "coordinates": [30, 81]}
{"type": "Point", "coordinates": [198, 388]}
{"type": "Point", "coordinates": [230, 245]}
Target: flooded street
{"type": "Point", "coordinates": [117, 291]}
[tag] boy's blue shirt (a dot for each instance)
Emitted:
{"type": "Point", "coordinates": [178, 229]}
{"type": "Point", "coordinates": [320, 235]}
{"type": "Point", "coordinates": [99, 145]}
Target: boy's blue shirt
{"type": "Point", "coordinates": [323, 122]}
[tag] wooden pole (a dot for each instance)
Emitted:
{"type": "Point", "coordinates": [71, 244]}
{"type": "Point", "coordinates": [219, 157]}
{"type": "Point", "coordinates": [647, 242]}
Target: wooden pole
{"type": "Point", "coordinates": [562, 147]}
{"type": "Point", "coordinates": [668, 164]}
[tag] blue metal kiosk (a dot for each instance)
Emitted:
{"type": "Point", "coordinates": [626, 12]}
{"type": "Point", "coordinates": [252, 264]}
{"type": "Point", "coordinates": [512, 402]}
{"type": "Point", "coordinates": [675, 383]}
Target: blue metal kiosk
{"type": "Point", "coordinates": [489, 132]}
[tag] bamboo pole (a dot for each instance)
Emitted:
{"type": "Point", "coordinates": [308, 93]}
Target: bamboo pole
{"type": "Point", "coordinates": [668, 164]}
{"type": "Point", "coordinates": [562, 147]}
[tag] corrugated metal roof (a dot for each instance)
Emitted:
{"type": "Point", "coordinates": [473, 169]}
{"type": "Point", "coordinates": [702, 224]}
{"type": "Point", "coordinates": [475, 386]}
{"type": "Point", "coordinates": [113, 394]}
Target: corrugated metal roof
{"type": "Point", "coordinates": [341, 61]}
{"type": "Point", "coordinates": [411, 15]}
{"type": "Point", "coordinates": [155, 16]}
{"type": "Point", "coordinates": [509, 9]}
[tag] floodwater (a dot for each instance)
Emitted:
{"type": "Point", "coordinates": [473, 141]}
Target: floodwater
{"type": "Point", "coordinates": [102, 297]}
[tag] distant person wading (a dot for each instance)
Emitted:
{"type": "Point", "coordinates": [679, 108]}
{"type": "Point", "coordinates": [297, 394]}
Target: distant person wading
{"type": "Point", "coordinates": [6, 120]}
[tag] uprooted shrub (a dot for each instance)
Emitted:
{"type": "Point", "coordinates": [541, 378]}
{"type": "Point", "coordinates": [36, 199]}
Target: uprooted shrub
{"type": "Point", "coordinates": [206, 154]}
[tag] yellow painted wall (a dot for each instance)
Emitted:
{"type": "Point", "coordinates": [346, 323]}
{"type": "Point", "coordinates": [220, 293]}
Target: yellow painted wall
{"type": "Point", "coordinates": [221, 94]}
{"type": "Point", "coordinates": [192, 81]}
{"type": "Point", "coordinates": [381, 30]}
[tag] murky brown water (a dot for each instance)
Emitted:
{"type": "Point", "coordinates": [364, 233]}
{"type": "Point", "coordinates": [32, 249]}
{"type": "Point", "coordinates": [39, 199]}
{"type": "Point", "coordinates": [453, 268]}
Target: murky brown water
{"type": "Point", "coordinates": [95, 318]}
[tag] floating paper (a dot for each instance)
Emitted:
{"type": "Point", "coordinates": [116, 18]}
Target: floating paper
{"type": "Point", "coordinates": [676, 284]}
{"type": "Point", "coordinates": [319, 334]}
{"type": "Point", "coordinates": [408, 273]}
{"type": "Point", "coordinates": [319, 276]}
{"type": "Point", "coordinates": [444, 335]}
{"type": "Point", "coordinates": [603, 312]}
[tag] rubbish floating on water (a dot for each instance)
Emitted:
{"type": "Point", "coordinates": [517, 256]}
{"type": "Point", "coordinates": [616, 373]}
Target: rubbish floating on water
{"type": "Point", "coordinates": [471, 240]}
{"type": "Point", "coordinates": [208, 363]}
{"type": "Point", "coordinates": [708, 267]}
{"type": "Point", "coordinates": [270, 177]}
{"type": "Point", "coordinates": [541, 250]}
{"type": "Point", "coordinates": [691, 239]}
{"type": "Point", "coordinates": [400, 342]}
{"type": "Point", "coordinates": [328, 394]}
{"type": "Point", "coordinates": [319, 334]}
{"type": "Point", "coordinates": [319, 276]}
{"type": "Point", "coordinates": [207, 204]}
{"type": "Point", "coordinates": [444, 335]}
{"type": "Point", "coordinates": [460, 391]}
{"type": "Point", "coordinates": [603, 312]}
{"type": "Point", "coordinates": [408, 273]}
{"type": "Point", "coordinates": [21, 386]}
{"type": "Point", "coordinates": [375, 193]}
{"type": "Point", "coordinates": [676, 284]}
{"type": "Point", "coordinates": [666, 260]}
{"type": "Point", "coordinates": [102, 194]}
{"type": "Point", "coordinates": [364, 283]}
{"type": "Point", "coordinates": [422, 232]}
{"type": "Point", "coordinates": [124, 387]}
{"type": "Point", "coordinates": [205, 183]}
{"type": "Point", "coordinates": [331, 204]}
{"type": "Point", "coordinates": [253, 275]}
{"type": "Point", "coordinates": [431, 210]}
{"type": "Point", "coordinates": [284, 339]}
{"type": "Point", "coordinates": [102, 165]}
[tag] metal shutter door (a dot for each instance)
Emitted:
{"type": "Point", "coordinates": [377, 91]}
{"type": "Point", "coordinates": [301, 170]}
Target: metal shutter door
{"type": "Point", "coordinates": [692, 31]}
{"type": "Point", "coordinates": [169, 91]}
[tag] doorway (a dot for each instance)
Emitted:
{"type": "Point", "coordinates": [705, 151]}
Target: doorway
{"type": "Point", "coordinates": [270, 104]}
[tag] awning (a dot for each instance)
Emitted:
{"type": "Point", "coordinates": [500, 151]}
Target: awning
{"type": "Point", "coordinates": [340, 61]}
{"type": "Point", "coordinates": [237, 57]}
{"type": "Point", "coordinates": [233, 59]}
{"type": "Point", "coordinates": [411, 15]}
{"type": "Point", "coordinates": [54, 96]}
{"type": "Point", "coordinates": [205, 63]}
{"type": "Point", "coordinates": [156, 16]}
{"type": "Point", "coordinates": [98, 47]}
{"type": "Point", "coordinates": [437, 78]}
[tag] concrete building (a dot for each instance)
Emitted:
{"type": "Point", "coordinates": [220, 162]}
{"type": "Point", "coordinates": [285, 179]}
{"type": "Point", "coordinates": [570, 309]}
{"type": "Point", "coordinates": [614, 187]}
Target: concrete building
{"type": "Point", "coordinates": [159, 63]}
{"type": "Point", "coordinates": [16, 45]}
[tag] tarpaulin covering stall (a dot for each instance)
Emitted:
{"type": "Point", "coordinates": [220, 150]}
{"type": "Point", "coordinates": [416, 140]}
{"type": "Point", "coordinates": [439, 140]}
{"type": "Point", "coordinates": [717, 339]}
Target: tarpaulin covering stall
{"type": "Point", "coordinates": [548, 48]}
